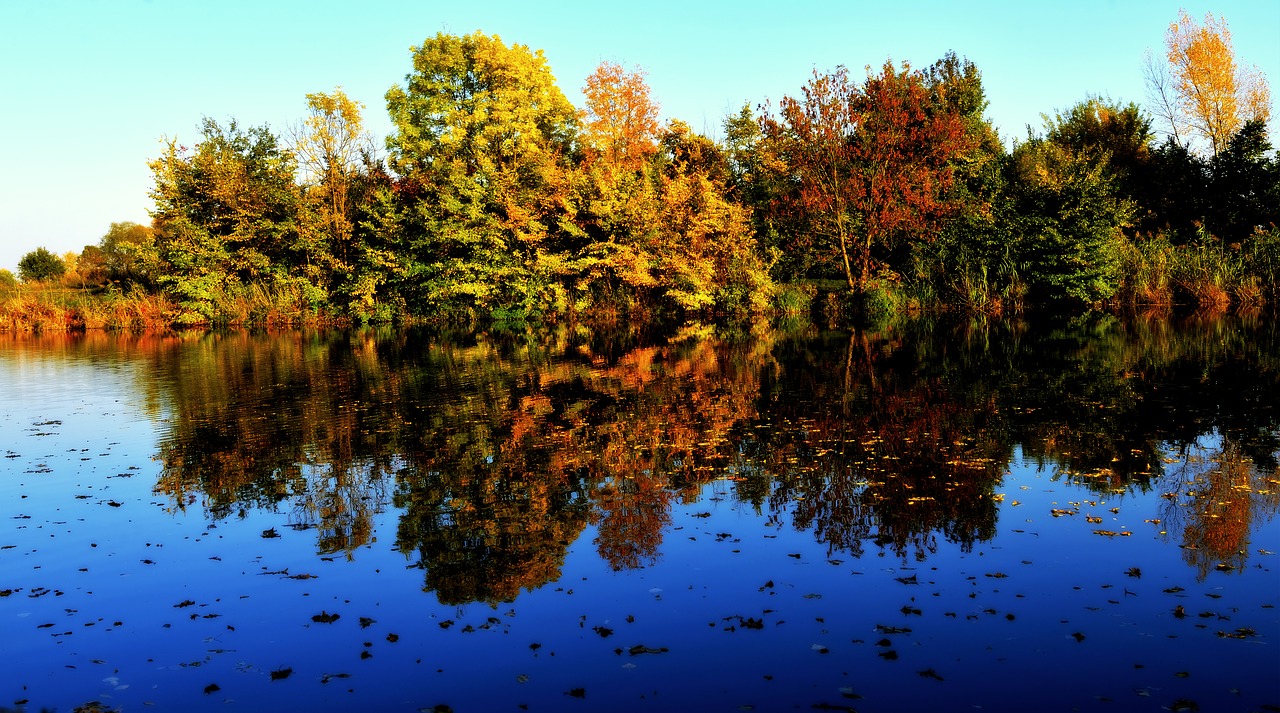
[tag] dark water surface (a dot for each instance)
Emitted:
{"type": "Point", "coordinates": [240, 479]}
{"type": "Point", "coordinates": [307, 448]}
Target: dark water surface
{"type": "Point", "coordinates": [922, 518]}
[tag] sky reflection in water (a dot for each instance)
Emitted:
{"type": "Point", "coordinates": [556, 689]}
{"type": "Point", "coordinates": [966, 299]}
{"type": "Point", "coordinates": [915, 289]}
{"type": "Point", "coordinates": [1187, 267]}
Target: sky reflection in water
{"type": "Point", "coordinates": [914, 518]}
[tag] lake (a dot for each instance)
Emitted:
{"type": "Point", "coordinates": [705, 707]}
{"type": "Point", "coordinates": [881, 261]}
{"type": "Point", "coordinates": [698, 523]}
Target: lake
{"type": "Point", "coordinates": [988, 516]}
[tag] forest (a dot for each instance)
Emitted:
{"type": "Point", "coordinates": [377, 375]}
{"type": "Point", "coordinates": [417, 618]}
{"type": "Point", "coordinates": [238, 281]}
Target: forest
{"type": "Point", "coordinates": [495, 200]}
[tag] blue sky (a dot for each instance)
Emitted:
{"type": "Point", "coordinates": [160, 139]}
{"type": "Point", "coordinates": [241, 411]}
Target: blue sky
{"type": "Point", "coordinates": [91, 87]}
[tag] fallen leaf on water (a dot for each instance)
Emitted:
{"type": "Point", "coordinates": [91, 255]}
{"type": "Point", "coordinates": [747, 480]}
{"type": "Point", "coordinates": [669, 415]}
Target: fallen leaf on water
{"type": "Point", "coordinates": [929, 673]}
{"type": "Point", "coordinates": [893, 629]}
{"type": "Point", "coordinates": [281, 674]}
{"type": "Point", "coordinates": [325, 618]}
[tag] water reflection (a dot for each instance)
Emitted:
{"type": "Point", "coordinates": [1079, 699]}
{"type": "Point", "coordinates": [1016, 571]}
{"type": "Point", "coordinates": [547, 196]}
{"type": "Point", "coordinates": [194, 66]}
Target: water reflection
{"type": "Point", "coordinates": [500, 451]}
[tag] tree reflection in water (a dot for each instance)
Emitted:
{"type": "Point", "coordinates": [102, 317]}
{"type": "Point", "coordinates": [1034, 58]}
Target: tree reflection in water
{"type": "Point", "coordinates": [499, 451]}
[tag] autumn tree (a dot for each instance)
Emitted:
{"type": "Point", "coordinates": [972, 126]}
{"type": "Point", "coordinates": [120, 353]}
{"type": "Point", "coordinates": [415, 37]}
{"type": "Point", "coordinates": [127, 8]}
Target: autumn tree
{"type": "Point", "coordinates": [620, 121]}
{"type": "Point", "coordinates": [1201, 91]}
{"type": "Point", "coordinates": [811, 140]}
{"type": "Point", "coordinates": [328, 145]}
{"type": "Point", "coordinates": [482, 145]}
{"type": "Point", "coordinates": [658, 227]}
{"type": "Point", "coordinates": [871, 164]}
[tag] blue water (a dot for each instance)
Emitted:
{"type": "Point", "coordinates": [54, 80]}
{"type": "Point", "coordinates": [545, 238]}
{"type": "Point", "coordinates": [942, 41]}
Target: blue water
{"type": "Point", "coordinates": [121, 591]}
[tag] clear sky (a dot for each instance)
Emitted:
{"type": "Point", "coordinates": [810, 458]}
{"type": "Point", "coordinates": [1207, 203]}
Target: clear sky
{"type": "Point", "coordinates": [91, 87]}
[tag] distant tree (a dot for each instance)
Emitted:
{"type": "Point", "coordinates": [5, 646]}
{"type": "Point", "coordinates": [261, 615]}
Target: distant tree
{"type": "Point", "coordinates": [91, 265]}
{"type": "Point", "coordinates": [127, 253]}
{"type": "Point", "coordinates": [39, 265]}
{"type": "Point", "coordinates": [7, 280]}
{"type": "Point", "coordinates": [1202, 91]}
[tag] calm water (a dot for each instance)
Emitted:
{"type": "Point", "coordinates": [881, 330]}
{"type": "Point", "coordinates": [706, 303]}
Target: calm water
{"type": "Point", "coordinates": [926, 518]}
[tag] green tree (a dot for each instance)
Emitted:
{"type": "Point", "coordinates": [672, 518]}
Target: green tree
{"type": "Point", "coordinates": [127, 253]}
{"type": "Point", "coordinates": [40, 265]}
{"type": "Point", "coordinates": [969, 262]}
{"type": "Point", "coordinates": [1117, 136]}
{"type": "Point", "coordinates": [1067, 219]}
{"type": "Point", "coordinates": [7, 280]}
{"type": "Point", "coordinates": [226, 216]}
{"type": "Point", "coordinates": [1245, 193]}
{"type": "Point", "coordinates": [482, 141]}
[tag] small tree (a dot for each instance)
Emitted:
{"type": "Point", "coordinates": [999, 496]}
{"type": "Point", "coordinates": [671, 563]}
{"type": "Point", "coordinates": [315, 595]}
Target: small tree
{"type": "Point", "coordinates": [39, 265]}
{"type": "Point", "coordinates": [7, 280]}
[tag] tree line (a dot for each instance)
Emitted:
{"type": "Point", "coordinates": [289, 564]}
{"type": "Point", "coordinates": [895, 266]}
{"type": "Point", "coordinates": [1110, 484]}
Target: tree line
{"type": "Point", "coordinates": [495, 198]}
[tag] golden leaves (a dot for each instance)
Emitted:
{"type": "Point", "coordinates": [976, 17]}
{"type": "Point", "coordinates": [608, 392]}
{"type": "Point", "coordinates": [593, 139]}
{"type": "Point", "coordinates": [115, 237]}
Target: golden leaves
{"type": "Point", "coordinates": [1214, 95]}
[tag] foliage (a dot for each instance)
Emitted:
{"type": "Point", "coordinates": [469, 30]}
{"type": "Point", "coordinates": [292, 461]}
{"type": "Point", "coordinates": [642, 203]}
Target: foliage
{"type": "Point", "coordinates": [1244, 195]}
{"type": "Point", "coordinates": [872, 162]}
{"type": "Point", "coordinates": [1067, 224]}
{"type": "Point", "coordinates": [620, 121]}
{"type": "Point", "coordinates": [227, 216]}
{"type": "Point", "coordinates": [329, 145]}
{"type": "Point", "coordinates": [1202, 92]}
{"type": "Point", "coordinates": [127, 254]}
{"type": "Point", "coordinates": [499, 201]}
{"type": "Point", "coordinates": [39, 265]}
{"type": "Point", "coordinates": [970, 262]}
{"type": "Point", "coordinates": [7, 279]}
{"type": "Point", "coordinates": [482, 140]}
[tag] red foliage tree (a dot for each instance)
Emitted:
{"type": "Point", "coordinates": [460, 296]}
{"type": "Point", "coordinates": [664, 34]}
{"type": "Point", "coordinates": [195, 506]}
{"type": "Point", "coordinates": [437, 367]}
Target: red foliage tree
{"type": "Point", "coordinates": [870, 164]}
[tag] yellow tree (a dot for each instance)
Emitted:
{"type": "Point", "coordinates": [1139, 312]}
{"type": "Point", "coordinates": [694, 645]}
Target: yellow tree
{"type": "Point", "coordinates": [1202, 91]}
{"type": "Point", "coordinates": [327, 146]}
